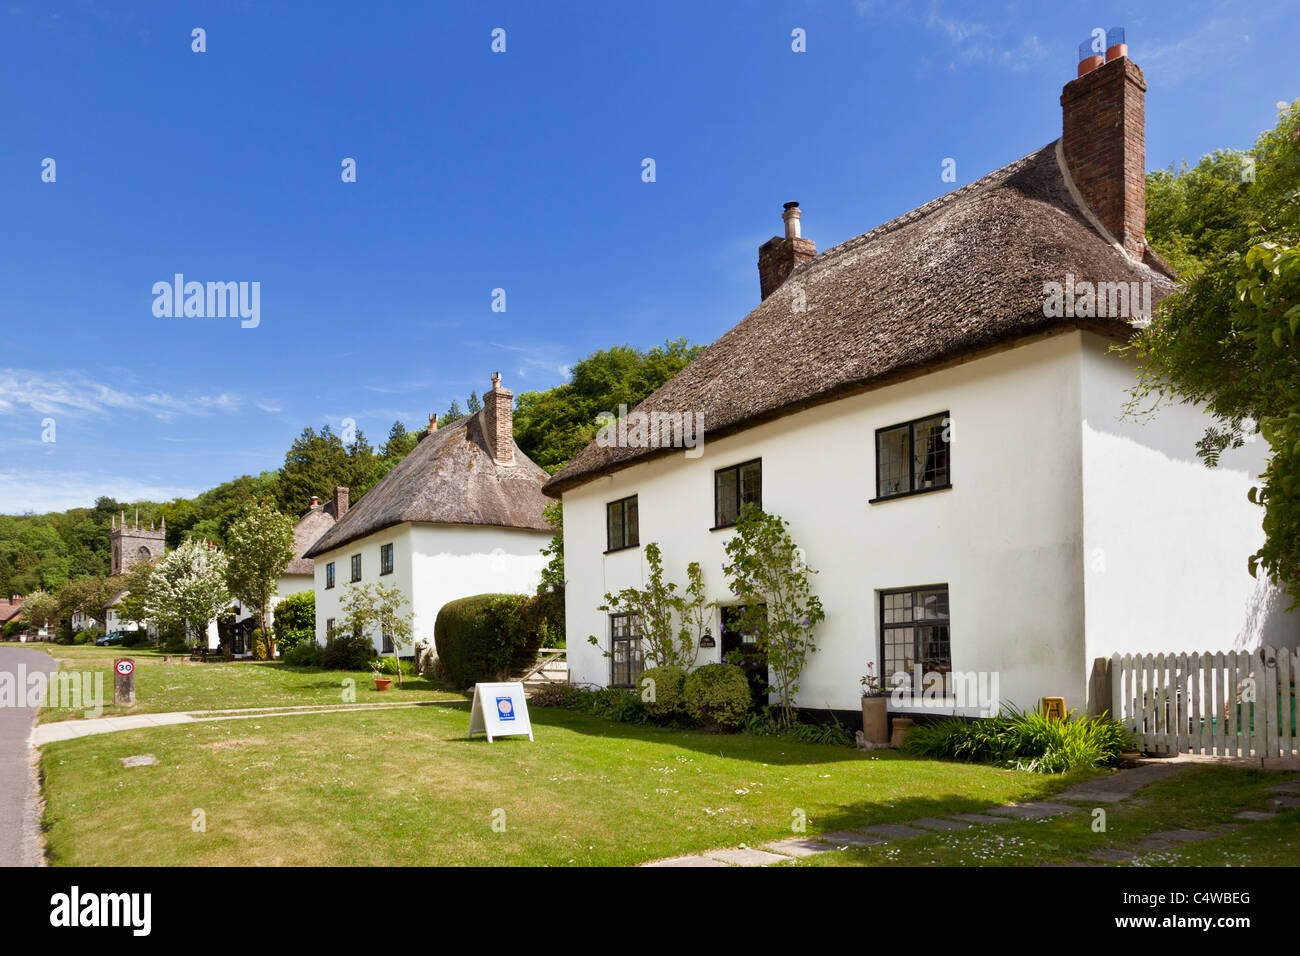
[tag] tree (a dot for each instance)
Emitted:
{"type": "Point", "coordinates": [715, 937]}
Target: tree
{"type": "Point", "coordinates": [187, 588]}
{"type": "Point", "coordinates": [1228, 336]}
{"type": "Point", "coordinates": [367, 607]}
{"type": "Point", "coordinates": [41, 609]}
{"type": "Point", "coordinates": [671, 623]}
{"type": "Point", "coordinates": [295, 620]}
{"type": "Point", "coordinates": [553, 573]}
{"type": "Point", "coordinates": [772, 580]}
{"type": "Point", "coordinates": [90, 596]}
{"type": "Point", "coordinates": [259, 547]}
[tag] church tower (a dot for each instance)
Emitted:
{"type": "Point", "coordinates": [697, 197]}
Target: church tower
{"type": "Point", "coordinates": [134, 543]}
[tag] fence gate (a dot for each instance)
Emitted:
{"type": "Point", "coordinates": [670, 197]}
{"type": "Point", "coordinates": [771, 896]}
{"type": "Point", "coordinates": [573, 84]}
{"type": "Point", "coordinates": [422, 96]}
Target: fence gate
{"type": "Point", "coordinates": [1227, 704]}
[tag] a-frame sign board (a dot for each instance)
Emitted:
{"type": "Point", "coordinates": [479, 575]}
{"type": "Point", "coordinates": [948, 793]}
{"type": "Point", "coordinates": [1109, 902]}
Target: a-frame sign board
{"type": "Point", "coordinates": [500, 710]}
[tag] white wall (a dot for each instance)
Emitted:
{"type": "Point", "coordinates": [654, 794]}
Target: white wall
{"type": "Point", "coordinates": [1006, 538]}
{"type": "Point", "coordinates": [1166, 539]}
{"type": "Point", "coordinates": [434, 564]}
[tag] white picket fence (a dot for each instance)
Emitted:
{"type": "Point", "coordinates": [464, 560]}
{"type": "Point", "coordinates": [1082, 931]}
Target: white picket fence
{"type": "Point", "coordinates": [1226, 704]}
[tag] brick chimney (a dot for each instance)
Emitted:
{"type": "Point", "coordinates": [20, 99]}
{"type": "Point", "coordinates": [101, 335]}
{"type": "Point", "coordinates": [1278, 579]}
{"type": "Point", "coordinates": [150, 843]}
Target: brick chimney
{"type": "Point", "coordinates": [498, 421]}
{"type": "Point", "coordinates": [315, 501]}
{"type": "Point", "coordinates": [1104, 140]}
{"type": "Point", "coordinates": [340, 502]}
{"type": "Point", "coordinates": [777, 257]}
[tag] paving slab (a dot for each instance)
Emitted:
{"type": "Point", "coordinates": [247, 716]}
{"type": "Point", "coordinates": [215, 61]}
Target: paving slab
{"type": "Point", "coordinates": [1286, 803]}
{"type": "Point", "coordinates": [1031, 811]}
{"type": "Point", "coordinates": [1113, 855]}
{"type": "Point", "coordinates": [980, 818]}
{"type": "Point", "coordinates": [893, 831]}
{"type": "Point", "coordinates": [1291, 786]}
{"type": "Point", "coordinates": [745, 856]}
{"type": "Point", "coordinates": [1183, 836]}
{"type": "Point", "coordinates": [799, 847]}
{"type": "Point", "coordinates": [850, 838]}
{"type": "Point", "coordinates": [686, 861]}
{"type": "Point", "coordinates": [1256, 815]}
{"type": "Point", "coordinates": [1152, 845]}
{"type": "Point", "coordinates": [1116, 787]}
{"type": "Point", "coordinates": [936, 823]}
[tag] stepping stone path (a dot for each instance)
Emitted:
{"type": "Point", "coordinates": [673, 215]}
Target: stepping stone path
{"type": "Point", "coordinates": [1110, 789]}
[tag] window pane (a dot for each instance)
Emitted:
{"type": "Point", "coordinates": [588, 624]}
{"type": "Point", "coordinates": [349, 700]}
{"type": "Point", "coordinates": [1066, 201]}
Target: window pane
{"type": "Point", "coordinates": [751, 484]}
{"type": "Point", "coordinates": [894, 476]}
{"type": "Point", "coordinates": [931, 463]}
{"type": "Point", "coordinates": [631, 525]}
{"type": "Point", "coordinates": [614, 519]}
{"type": "Point", "coordinates": [726, 497]}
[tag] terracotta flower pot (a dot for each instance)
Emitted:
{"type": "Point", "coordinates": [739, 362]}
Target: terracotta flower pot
{"type": "Point", "coordinates": [383, 683]}
{"type": "Point", "coordinates": [875, 719]}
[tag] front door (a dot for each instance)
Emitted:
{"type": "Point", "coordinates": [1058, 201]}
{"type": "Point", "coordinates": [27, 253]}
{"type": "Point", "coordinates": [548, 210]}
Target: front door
{"type": "Point", "coordinates": [747, 655]}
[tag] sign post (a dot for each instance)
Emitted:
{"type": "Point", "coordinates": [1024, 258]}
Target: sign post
{"type": "Point", "coordinates": [124, 682]}
{"type": "Point", "coordinates": [500, 710]}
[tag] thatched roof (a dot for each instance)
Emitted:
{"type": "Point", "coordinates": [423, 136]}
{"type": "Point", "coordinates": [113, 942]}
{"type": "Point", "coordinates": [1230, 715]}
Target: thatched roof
{"type": "Point", "coordinates": [448, 478]}
{"type": "Point", "coordinates": [953, 277]}
{"type": "Point", "coordinates": [315, 521]}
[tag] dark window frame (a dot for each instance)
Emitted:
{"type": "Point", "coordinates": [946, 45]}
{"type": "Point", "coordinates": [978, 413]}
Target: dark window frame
{"type": "Point", "coordinates": [610, 546]}
{"type": "Point", "coordinates": [329, 575]}
{"type": "Point", "coordinates": [330, 628]}
{"type": "Point", "coordinates": [946, 416]}
{"type": "Point", "coordinates": [385, 559]}
{"type": "Point", "coordinates": [386, 638]}
{"type": "Point", "coordinates": [356, 568]}
{"type": "Point", "coordinates": [717, 526]}
{"type": "Point", "coordinates": [636, 652]}
{"type": "Point", "coordinates": [886, 669]}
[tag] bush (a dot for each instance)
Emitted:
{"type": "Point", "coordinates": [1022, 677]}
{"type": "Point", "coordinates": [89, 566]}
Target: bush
{"type": "Point", "coordinates": [1025, 740]}
{"type": "Point", "coordinates": [306, 654]}
{"type": "Point", "coordinates": [478, 638]}
{"type": "Point", "coordinates": [611, 703]}
{"type": "Point", "coordinates": [347, 652]}
{"type": "Point", "coordinates": [717, 695]}
{"type": "Point", "coordinates": [762, 723]}
{"type": "Point", "coordinates": [12, 630]}
{"type": "Point", "coordinates": [135, 638]}
{"type": "Point", "coordinates": [295, 621]}
{"type": "Point", "coordinates": [261, 646]}
{"type": "Point", "coordinates": [89, 636]}
{"type": "Point", "coordinates": [669, 700]}
{"type": "Point", "coordinates": [389, 666]}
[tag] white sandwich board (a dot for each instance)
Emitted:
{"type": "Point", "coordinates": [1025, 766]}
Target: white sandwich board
{"type": "Point", "coordinates": [500, 710]}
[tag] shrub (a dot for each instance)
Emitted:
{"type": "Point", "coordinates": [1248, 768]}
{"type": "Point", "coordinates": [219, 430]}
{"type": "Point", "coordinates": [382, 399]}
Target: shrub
{"type": "Point", "coordinates": [479, 638]}
{"type": "Point", "coordinates": [1025, 740]}
{"type": "Point", "coordinates": [305, 654]}
{"type": "Point", "coordinates": [261, 646]}
{"type": "Point", "coordinates": [347, 652]}
{"type": "Point", "coordinates": [135, 638]}
{"type": "Point", "coordinates": [717, 695]}
{"type": "Point", "coordinates": [295, 621]}
{"type": "Point", "coordinates": [611, 703]}
{"type": "Point", "coordinates": [668, 700]}
{"type": "Point", "coordinates": [762, 723]}
{"type": "Point", "coordinates": [389, 665]}
{"type": "Point", "coordinates": [12, 630]}
{"type": "Point", "coordinates": [89, 636]}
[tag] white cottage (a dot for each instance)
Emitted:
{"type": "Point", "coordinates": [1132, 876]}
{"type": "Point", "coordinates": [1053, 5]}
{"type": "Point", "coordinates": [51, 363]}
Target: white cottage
{"type": "Point", "coordinates": [946, 436]}
{"type": "Point", "coordinates": [460, 515]}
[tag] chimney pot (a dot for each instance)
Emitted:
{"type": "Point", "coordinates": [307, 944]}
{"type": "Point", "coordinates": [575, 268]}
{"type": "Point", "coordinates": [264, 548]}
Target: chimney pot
{"type": "Point", "coordinates": [315, 501]}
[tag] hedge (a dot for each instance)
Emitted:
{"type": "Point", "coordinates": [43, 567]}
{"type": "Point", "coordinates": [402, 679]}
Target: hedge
{"type": "Point", "coordinates": [717, 695]}
{"type": "Point", "coordinates": [482, 637]}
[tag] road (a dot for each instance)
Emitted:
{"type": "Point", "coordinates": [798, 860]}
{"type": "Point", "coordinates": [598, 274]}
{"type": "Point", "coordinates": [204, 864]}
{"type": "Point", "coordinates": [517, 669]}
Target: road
{"type": "Point", "coordinates": [20, 821]}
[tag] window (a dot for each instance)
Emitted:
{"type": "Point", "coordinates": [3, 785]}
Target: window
{"type": "Point", "coordinates": [385, 559]}
{"type": "Point", "coordinates": [329, 629]}
{"type": "Point", "coordinates": [914, 457]}
{"type": "Point", "coordinates": [388, 641]}
{"type": "Point", "coordinates": [736, 486]}
{"type": "Point", "coordinates": [625, 643]}
{"type": "Point", "coordinates": [914, 636]}
{"type": "Point", "coordinates": [356, 567]}
{"type": "Point", "coordinates": [329, 575]}
{"type": "Point", "coordinates": [621, 527]}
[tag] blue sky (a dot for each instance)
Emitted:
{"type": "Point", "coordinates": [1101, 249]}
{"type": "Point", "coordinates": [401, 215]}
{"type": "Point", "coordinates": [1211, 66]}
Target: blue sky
{"type": "Point", "coordinates": [478, 170]}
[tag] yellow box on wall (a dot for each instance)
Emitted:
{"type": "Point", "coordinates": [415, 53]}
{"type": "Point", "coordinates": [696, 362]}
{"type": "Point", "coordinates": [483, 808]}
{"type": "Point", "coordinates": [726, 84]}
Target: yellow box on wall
{"type": "Point", "coordinates": [1054, 708]}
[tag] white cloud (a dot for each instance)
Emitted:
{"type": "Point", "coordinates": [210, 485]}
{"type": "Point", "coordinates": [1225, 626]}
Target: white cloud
{"type": "Point", "coordinates": [42, 491]}
{"type": "Point", "coordinates": [76, 395]}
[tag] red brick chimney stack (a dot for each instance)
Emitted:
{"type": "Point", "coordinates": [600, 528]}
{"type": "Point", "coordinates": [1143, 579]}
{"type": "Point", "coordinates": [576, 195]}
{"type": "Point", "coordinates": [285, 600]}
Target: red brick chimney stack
{"type": "Point", "coordinates": [1104, 142]}
{"type": "Point", "coordinates": [498, 421]}
{"type": "Point", "coordinates": [340, 502]}
{"type": "Point", "coordinates": [778, 256]}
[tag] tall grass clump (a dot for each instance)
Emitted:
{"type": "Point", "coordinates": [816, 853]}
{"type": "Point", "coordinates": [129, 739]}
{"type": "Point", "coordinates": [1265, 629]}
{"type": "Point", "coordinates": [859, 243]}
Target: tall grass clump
{"type": "Point", "coordinates": [1024, 740]}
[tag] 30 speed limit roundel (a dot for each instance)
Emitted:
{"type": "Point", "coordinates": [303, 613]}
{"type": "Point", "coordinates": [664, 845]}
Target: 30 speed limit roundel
{"type": "Point", "coordinates": [125, 667]}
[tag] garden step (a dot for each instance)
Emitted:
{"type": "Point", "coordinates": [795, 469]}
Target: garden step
{"type": "Point", "coordinates": [1112, 855]}
{"type": "Point", "coordinates": [1115, 787]}
{"type": "Point", "coordinates": [1032, 811]}
{"type": "Point", "coordinates": [1183, 836]}
{"type": "Point", "coordinates": [850, 838]}
{"type": "Point", "coordinates": [979, 818]}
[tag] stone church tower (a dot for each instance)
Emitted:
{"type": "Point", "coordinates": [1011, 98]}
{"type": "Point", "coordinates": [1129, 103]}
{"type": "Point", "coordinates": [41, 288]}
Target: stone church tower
{"type": "Point", "coordinates": [132, 544]}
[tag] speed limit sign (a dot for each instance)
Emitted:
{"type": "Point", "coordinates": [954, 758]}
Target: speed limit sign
{"type": "Point", "coordinates": [125, 667]}
{"type": "Point", "coordinates": [124, 682]}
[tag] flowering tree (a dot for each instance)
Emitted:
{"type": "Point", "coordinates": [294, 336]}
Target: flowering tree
{"type": "Point", "coordinates": [187, 588]}
{"type": "Point", "coordinates": [769, 575]}
{"type": "Point", "coordinates": [369, 606]}
{"type": "Point", "coordinates": [260, 546]}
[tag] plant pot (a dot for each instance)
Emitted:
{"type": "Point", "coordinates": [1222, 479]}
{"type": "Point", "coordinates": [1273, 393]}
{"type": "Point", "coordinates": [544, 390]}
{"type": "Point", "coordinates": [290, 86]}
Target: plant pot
{"type": "Point", "coordinates": [901, 726]}
{"type": "Point", "coordinates": [383, 683]}
{"type": "Point", "coordinates": [875, 719]}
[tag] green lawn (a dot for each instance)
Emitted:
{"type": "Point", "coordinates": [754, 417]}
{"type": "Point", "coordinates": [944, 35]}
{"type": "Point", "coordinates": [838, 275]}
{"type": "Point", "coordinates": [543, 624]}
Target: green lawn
{"type": "Point", "coordinates": [1197, 798]}
{"type": "Point", "coordinates": [405, 787]}
{"type": "Point", "coordinates": [183, 686]}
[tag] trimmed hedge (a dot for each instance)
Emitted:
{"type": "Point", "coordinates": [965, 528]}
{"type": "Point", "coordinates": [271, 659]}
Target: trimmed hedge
{"type": "Point", "coordinates": [479, 637]}
{"type": "Point", "coordinates": [717, 695]}
{"type": "Point", "coordinates": [669, 699]}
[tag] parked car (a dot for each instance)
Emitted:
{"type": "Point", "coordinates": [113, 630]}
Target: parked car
{"type": "Point", "coordinates": [111, 639]}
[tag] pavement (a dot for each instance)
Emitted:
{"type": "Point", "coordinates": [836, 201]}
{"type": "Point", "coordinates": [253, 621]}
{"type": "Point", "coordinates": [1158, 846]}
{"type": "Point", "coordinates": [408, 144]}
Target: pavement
{"type": "Point", "coordinates": [20, 800]}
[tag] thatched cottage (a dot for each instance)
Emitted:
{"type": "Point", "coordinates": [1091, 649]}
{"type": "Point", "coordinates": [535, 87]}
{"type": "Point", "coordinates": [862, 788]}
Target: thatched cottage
{"type": "Point", "coordinates": [935, 408]}
{"type": "Point", "coordinates": [460, 515]}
